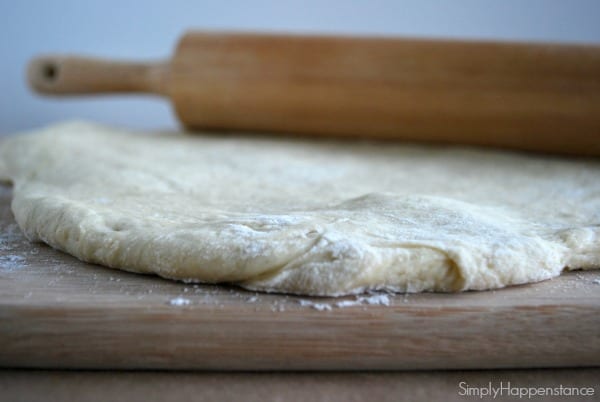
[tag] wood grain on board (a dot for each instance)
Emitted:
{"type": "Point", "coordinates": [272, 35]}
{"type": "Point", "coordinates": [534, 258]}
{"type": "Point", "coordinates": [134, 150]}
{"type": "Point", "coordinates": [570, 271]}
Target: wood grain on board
{"type": "Point", "coordinates": [57, 312]}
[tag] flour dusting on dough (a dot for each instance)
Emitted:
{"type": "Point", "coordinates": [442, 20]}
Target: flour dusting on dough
{"type": "Point", "coordinates": [325, 218]}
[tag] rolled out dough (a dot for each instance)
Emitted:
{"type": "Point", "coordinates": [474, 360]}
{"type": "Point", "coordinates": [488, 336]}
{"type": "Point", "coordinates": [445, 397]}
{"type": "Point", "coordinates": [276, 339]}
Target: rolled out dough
{"type": "Point", "coordinates": [300, 216]}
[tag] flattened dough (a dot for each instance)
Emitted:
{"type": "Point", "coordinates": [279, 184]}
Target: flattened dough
{"type": "Point", "coordinates": [300, 216]}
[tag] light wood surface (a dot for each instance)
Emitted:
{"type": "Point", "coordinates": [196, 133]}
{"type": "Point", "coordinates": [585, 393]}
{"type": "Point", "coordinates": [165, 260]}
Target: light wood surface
{"type": "Point", "coordinates": [57, 312]}
{"type": "Point", "coordinates": [102, 386]}
{"type": "Point", "coordinates": [538, 97]}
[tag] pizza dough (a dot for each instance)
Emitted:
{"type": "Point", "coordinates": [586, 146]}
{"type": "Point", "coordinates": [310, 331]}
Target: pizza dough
{"type": "Point", "coordinates": [306, 217]}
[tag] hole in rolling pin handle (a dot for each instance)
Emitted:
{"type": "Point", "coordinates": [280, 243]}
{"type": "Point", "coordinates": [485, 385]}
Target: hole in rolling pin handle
{"type": "Point", "coordinates": [49, 71]}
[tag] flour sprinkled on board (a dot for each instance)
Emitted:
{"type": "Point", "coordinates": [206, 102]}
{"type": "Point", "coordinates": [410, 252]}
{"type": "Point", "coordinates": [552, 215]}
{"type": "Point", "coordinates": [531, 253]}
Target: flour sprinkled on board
{"type": "Point", "coordinates": [11, 237]}
{"type": "Point", "coordinates": [12, 261]}
{"type": "Point", "coordinates": [381, 299]}
{"type": "Point", "coordinates": [316, 306]}
{"type": "Point", "coordinates": [375, 299]}
{"type": "Point", "coordinates": [179, 301]}
{"type": "Point", "coordinates": [11, 242]}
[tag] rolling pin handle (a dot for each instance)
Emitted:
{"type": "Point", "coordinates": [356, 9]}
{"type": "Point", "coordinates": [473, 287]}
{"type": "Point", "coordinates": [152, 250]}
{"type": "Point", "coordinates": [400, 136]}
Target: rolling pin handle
{"type": "Point", "coordinates": [71, 75]}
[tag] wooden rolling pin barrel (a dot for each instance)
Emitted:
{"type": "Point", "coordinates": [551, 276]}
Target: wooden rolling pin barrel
{"type": "Point", "coordinates": [538, 97]}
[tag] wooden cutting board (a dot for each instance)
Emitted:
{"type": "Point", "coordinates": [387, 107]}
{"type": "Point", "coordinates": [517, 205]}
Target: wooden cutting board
{"type": "Point", "coordinates": [57, 312]}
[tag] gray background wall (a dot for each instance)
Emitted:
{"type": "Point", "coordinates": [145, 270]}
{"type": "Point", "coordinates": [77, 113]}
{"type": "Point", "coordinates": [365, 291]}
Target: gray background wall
{"type": "Point", "coordinates": [149, 29]}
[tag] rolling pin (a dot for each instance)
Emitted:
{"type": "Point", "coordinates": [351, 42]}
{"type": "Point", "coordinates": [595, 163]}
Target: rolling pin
{"type": "Point", "coordinates": [537, 97]}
